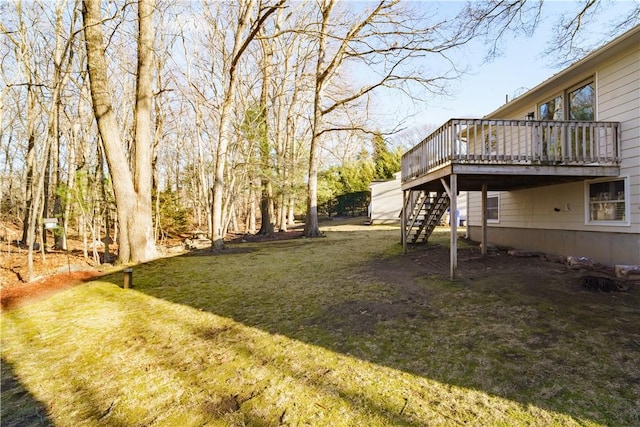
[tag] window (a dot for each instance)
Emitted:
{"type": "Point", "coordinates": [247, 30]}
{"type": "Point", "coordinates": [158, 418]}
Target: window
{"type": "Point", "coordinates": [551, 110]}
{"type": "Point", "coordinates": [493, 206]}
{"type": "Point", "coordinates": [581, 103]}
{"type": "Point", "coordinates": [551, 135]}
{"type": "Point", "coordinates": [607, 202]}
{"type": "Point", "coordinates": [581, 106]}
{"type": "Point", "coordinates": [573, 103]}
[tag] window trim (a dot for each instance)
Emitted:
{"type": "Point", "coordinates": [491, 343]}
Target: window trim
{"type": "Point", "coordinates": [627, 203]}
{"type": "Point", "coordinates": [494, 221]}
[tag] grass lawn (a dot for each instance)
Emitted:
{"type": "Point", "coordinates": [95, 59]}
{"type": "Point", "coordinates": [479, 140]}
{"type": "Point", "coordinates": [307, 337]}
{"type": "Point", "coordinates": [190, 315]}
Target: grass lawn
{"type": "Point", "coordinates": [335, 331]}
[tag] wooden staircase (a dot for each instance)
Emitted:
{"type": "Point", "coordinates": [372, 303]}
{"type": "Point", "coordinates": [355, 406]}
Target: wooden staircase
{"type": "Point", "coordinates": [423, 212]}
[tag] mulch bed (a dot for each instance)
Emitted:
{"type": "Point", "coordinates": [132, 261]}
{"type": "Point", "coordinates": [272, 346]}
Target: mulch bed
{"type": "Point", "coordinates": [15, 296]}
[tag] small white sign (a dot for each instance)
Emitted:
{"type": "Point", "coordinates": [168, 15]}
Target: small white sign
{"type": "Point", "coordinates": [50, 223]}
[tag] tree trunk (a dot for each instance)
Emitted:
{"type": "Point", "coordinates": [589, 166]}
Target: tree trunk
{"type": "Point", "coordinates": [36, 209]}
{"type": "Point", "coordinates": [141, 233]}
{"type": "Point", "coordinates": [266, 202]}
{"type": "Point", "coordinates": [251, 215]}
{"type": "Point", "coordinates": [133, 207]}
{"type": "Point", "coordinates": [311, 226]}
{"type": "Point", "coordinates": [224, 131]}
{"type": "Point", "coordinates": [31, 159]}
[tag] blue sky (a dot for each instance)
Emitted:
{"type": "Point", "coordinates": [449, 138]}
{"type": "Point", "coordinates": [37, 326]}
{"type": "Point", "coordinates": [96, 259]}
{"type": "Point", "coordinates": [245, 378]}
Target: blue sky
{"type": "Point", "coordinates": [520, 67]}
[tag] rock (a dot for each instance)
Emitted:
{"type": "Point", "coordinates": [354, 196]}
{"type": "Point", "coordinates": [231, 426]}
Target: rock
{"type": "Point", "coordinates": [175, 249]}
{"type": "Point", "coordinates": [627, 271]}
{"type": "Point", "coordinates": [197, 243]}
{"type": "Point", "coordinates": [73, 267]}
{"type": "Point", "coordinates": [576, 262]}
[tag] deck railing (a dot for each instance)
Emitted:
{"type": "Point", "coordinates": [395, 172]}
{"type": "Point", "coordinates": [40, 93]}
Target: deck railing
{"type": "Point", "coordinates": [514, 142]}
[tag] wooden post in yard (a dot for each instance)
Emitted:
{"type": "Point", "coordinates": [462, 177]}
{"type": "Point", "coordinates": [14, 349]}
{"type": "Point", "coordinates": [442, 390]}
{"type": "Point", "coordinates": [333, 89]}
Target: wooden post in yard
{"type": "Point", "coordinates": [128, 278]}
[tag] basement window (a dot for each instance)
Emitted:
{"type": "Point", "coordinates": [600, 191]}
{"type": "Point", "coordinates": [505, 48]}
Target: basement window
{"type": "Point", "coordinates": [607, 202]}
{"type": "Point", "coordinates": [493, 209]}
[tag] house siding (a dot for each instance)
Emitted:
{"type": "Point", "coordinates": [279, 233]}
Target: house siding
{"type": "Point", "coordinates": [605, 248]}
{"type": "Point", "coordinates": [386, 201]}
{"type": "Point", "coordinates": [619, 100]}
{"type": "Point", "coordinates": [552, 219]}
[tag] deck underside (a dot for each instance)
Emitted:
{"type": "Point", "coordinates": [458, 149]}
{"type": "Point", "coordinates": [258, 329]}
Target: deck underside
{"type": "Point", "coordinates": [507, 177]}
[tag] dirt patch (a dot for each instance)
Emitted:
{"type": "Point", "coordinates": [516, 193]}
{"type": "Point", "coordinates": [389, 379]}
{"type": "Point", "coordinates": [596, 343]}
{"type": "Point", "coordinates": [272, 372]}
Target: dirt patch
{"type": "Point", "coordinates": [21, 294]}
{"type": "Point", "coordinates": [434, 259]}
{"type": "Point", "coordinates": [541, 277]}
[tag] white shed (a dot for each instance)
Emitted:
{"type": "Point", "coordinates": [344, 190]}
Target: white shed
{"type": "Point", "coordinates": [386, 201]}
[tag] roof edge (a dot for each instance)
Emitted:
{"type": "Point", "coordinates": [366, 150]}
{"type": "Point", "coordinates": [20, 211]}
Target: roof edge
{"type": "Point", "coordinates": [599, 55]}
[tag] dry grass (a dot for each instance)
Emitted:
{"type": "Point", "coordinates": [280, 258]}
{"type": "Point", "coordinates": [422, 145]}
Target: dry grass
{"type": "Point", "coordinates": [340, 331]}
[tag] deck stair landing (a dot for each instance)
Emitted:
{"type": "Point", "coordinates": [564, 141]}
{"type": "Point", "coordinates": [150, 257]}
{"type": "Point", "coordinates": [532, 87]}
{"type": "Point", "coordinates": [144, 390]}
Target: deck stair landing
{"type": "Point", "coordinates": [424, 210]}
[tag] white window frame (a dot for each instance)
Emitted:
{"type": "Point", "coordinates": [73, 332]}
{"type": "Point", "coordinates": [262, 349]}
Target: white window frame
{"type": "Point", "coordinates": [627, 203]}
{"type": "Point", "coordinates": [494, 221]}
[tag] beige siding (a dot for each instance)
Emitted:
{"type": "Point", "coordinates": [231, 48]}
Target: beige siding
{"type": "Point", "coordinates": [553, 218]}
{"type": "Point", "coordinates": [605, 248]}
{"type": "Point", "coordinates": [619, 99]}
{"type": "Point", "coordinates": [562, 207]}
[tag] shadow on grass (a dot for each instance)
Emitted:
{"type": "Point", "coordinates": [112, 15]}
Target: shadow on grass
{"type": "Point", "coordinates": [19, 407]}
{"type": "Point", "coordinates": [528, 335]}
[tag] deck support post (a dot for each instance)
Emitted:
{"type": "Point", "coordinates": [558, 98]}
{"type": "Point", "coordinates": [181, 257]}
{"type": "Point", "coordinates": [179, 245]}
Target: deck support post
{"type": "Point", "coordinates": [453, 219]}
{"type": "Point", "coordinates": [403, 222]}
{"type": "Point", "coordinates": [484, 219]}
{"type": "Point", "coordinates": [452, 192]}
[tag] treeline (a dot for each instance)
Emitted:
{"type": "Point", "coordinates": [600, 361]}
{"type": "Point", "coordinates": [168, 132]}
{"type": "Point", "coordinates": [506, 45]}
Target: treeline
{"type": "Point", "coordinates": [132, 121]}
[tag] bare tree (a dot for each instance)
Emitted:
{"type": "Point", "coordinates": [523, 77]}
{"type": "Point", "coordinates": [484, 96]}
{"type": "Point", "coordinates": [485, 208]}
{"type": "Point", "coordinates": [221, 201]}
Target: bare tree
{"type": "Point", "coordinates": [266, 167]}
{"type": "Point", "coordinates": [290, 96]}
{"type": "Point", "coordinates": [568, 43]}
{"type": "Point", "coordinates": [29, 40]}
{"type": "Point", "coordinates": [387, 38]}
{"type": "Point", "coordinates": [245, 32]}
{"type": "Point", "coordinates": [132, 187]}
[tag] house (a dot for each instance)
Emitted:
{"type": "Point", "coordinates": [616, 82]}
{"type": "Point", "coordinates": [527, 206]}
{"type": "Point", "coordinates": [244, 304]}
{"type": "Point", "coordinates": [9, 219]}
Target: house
{"type": "Point", "coordinates": [555, 170]}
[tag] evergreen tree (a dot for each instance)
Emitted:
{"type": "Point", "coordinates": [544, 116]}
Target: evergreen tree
{"type": "Point", "coordinates": [386, 162]}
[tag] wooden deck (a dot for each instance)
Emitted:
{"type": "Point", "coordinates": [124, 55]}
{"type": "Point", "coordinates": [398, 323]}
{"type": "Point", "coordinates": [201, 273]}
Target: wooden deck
{"type": "Point", "coordinates": [512, 154]}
